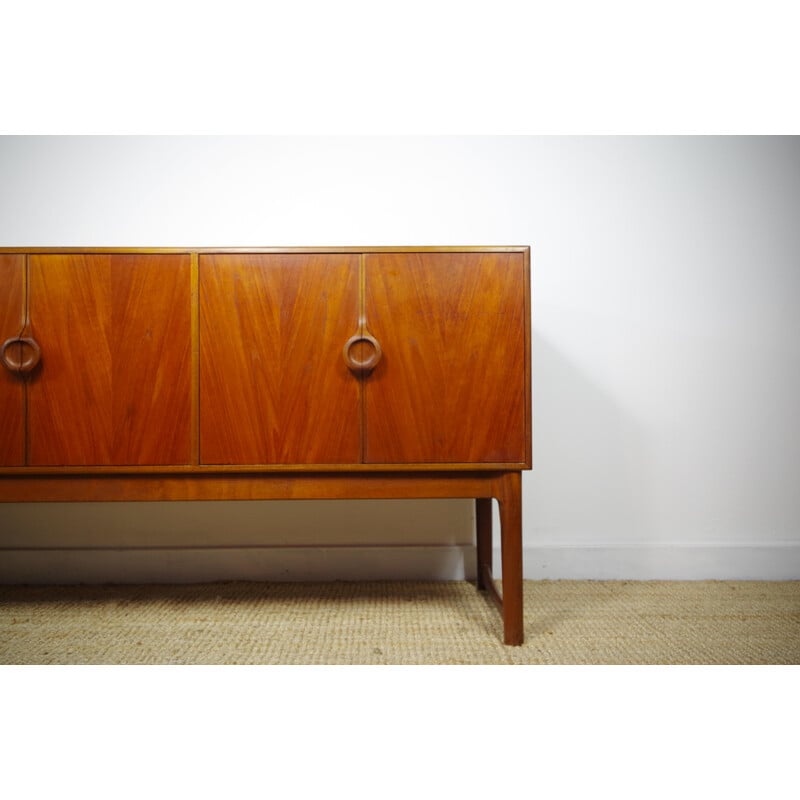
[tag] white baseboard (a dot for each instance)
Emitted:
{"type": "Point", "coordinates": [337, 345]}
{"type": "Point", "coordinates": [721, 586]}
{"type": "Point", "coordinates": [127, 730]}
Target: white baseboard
{"type": "Point", "coordinates": [209, 564]}
{"type": "Point", "coordinates": [676, 562]}
{"type": "Point", "coordinates": [437, 563]}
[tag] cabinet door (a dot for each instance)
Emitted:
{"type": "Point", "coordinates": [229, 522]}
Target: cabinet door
{"type": "Point", "coordinates": [114, 386]}
{"type": "Point", "coordinates": [451, 385]}
{"type": "Point", "coordinates": [274, 388]}
{"type": "Point", "coordinates": [12, 319]}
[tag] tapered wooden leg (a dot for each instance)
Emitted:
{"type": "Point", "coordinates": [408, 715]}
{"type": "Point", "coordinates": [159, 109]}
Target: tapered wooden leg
{"type": "Point", "coordinates": [483, 536]}
{"type": "Point", "coordinates": [510, 500]}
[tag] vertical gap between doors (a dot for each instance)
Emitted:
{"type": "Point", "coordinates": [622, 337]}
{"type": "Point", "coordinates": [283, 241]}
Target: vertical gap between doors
{"type": "Point", "coordinates": [194, 413]}
{"type": "Point", "coordinates": [26, 310]}
{"type": "Point", "coordinates": [362, 326]}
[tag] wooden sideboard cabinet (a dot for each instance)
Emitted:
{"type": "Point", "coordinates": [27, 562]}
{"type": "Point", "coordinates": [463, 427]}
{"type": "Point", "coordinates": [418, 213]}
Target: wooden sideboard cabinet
{"type": "Point", "coordinates": [267, 373]}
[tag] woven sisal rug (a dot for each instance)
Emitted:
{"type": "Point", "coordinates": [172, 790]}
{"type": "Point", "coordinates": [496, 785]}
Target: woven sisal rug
{"type": "Point", "coordinates": [567, 622]}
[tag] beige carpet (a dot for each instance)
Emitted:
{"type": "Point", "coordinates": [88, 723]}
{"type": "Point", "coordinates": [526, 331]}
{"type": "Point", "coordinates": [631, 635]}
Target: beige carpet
{"type": "Point", "coordinates": [566, 622]}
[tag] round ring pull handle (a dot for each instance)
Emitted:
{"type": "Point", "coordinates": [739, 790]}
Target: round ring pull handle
{"type": "Point", "coordinates": [23, 366]}
{"type": "Point", "coordinates": [368, 364]}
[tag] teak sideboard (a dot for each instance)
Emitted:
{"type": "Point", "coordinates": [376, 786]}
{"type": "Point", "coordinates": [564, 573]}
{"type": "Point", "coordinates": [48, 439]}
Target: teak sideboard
{"type": "Point", "coordinates": [272, 373]}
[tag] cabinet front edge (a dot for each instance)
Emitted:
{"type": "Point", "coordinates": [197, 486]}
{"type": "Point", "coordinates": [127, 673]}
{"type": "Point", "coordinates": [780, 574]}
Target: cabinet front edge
{"type": "Point", "coordinates": [210, 250]}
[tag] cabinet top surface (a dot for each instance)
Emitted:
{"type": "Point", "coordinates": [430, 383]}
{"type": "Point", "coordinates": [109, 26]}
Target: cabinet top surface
{"type": "Point", "coordinates": [405, 249]}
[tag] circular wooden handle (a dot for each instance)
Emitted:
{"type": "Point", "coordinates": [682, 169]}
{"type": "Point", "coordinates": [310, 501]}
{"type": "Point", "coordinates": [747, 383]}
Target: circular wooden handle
{"type": "Point", "coordinates": [368, 364]}
{"type": "Point", "coordinates": [21, 367]}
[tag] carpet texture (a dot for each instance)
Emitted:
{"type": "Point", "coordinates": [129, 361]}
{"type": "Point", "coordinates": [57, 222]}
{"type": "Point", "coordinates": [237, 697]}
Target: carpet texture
{"type": "Point", "coordinates": [566, 622]}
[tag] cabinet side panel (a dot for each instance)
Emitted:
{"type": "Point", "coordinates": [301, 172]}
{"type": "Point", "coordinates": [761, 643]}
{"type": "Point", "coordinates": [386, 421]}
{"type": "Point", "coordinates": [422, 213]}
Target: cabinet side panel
{"type": "Point", "coordinates": [274, 388]}
{"type": "Point", "coordinates": [70, 395]}
{"type": "Point", "coordinates": [12, 318]}
{"type": "Point", "coordinates": [151, 359]}
{"type": "Point", "coordinates": [451, 386]}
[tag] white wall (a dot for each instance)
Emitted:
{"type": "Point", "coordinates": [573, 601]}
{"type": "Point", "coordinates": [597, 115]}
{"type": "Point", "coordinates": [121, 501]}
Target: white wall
{"type": "Point", "coordinates": [666, 342]}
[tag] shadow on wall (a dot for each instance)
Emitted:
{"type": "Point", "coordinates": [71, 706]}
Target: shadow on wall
{"type": "Point", "coordinates": [589, 483]}
{"type": "Point", "coordinates": [588, 487]}
{"type": "Point", "coordinates": [269, 523]}
{"type": "Point", "coordinates": [246, 540]}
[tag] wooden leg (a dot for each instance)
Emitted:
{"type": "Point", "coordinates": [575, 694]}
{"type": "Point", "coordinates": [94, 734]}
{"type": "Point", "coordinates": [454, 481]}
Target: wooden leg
{"type": "Point", "coordinates": [510, 500]}
{"type": "Point", "coordinates": [483, 536]}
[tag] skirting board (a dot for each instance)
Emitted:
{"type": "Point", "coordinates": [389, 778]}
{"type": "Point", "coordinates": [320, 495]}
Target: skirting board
{"type": "Point", "coordinates": [665, 562]}
{"type": "Point", "coordinates": [209, 564]}
{"type": "Point", "coordinates": [435, 563]}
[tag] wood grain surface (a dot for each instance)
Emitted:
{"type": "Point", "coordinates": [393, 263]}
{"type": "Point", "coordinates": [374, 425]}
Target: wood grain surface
{"type": "Point", "coordinates": [114, 386]}
{"type": "Point", "coordinates": [12, 320]}
{"type": "Point", "coordinates": [451, 384]}
{"type": "Point", "coordinates": [300, 486]}
{"type": "Point", "coordinates": [186, 366]}
{"type": "Point", "coordinates": [508, 490]}
{"type": "Point", "coordinates": [274, 387]}
{"type": "Point", "coordinates": [279, 250]}
{"type": "Point", "coordinates": [151, 358]}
